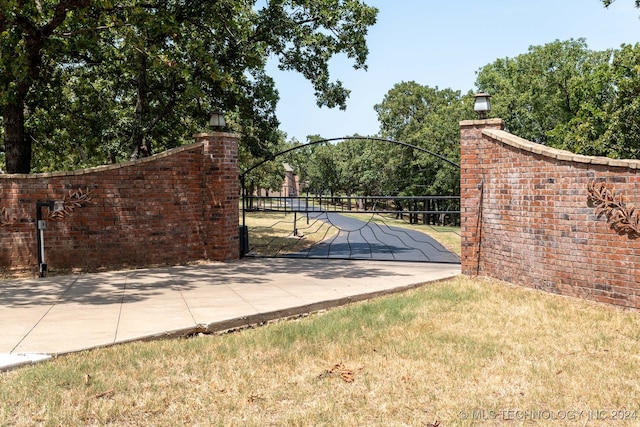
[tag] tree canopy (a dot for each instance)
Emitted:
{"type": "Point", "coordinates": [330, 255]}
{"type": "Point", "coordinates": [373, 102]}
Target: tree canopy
{"type": "Point", "coordinates": [608, 3]}
{"type": "Point", "coordinates": [567, 96]}
{"type": "Point", "coordinates": [561, 94]}
{"type": "Point", "coordinates": [85, 82]}
{"type": "Point", "coordinates": [429, 118]}
{"type": "Point", "coordinates": [412, 114]}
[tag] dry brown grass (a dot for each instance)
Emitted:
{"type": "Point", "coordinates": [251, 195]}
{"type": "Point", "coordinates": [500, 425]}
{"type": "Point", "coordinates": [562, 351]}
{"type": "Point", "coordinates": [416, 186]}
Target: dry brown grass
{"type": "Point", "coordinates": [272, 233]}
{"type": "Point", "coordinates": [443, 353]}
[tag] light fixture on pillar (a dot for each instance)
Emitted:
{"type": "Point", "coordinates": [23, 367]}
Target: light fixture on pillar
{"type": "Point", "coordinates": [217, 120]}
{"type": "Point", "coordinates": [482, 104]}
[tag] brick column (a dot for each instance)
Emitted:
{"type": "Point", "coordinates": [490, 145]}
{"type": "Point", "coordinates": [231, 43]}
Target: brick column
{"type": "Point", "coordinates": [220, 195]}
{"type": "Point", "coordinates": [472, 165]}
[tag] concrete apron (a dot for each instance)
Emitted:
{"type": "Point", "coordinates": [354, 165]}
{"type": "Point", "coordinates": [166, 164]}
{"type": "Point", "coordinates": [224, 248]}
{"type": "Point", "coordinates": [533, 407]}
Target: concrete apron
{"type": "Point", "coordinates": [42, 318]}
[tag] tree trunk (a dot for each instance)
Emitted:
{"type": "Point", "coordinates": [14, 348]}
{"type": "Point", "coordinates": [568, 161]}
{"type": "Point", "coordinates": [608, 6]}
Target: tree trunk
{"type": "Point", "coordinates": [16, 144]}
{"type": "Point", "coordinates": [140, 145]}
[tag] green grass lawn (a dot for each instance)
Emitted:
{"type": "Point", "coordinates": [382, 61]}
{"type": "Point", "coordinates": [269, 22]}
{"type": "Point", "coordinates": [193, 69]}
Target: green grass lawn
{"type": "Point", "coordinates": [453, 353]}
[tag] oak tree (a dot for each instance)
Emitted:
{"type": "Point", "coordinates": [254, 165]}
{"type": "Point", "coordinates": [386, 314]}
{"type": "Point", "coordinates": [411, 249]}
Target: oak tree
{"type": "Point", "coordinates": [135, 76]}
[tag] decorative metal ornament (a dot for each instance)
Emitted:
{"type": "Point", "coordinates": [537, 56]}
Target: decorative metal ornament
{"type": "Point", "coordinates": [622, 216]}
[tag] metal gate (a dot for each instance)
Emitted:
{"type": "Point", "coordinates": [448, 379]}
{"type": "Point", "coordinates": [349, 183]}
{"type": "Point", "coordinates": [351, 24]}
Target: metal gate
{"type": "Point", "coordinates": [394, 228]}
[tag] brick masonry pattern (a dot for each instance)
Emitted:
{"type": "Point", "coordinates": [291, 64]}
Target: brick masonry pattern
{"type": "Point", "coordinates": [526, 217]}
{"type": "Point", "coordinates": [175, 207]}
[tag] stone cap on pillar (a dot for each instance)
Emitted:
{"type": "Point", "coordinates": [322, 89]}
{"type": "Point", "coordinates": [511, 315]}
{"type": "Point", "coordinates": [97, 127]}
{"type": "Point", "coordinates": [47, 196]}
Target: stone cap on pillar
{"type": "Point", "coordinates": [223, 134]}
{"type": "Point", "coordinates": [485, 122]}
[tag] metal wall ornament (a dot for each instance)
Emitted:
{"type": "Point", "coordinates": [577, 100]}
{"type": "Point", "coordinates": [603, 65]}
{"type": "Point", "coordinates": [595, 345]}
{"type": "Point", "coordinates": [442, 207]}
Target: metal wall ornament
{"type": "Point", "coordinates": [622, 216]}
{"type": "Point", "coordinates": [75, 199]}
{"type": "Point", "coordinates": [63, 208]}
{"type": "Point", "coordinates": [5, 219]}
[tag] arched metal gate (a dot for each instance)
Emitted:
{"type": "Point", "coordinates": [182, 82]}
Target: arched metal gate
{"type": "Point", "coordinates": [303, 225]}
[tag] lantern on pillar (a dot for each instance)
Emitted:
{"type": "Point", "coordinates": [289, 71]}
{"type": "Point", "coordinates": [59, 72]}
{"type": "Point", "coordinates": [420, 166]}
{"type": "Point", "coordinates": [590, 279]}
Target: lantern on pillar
{"type": "Point", "coordinates": [482, 104]}
{"type": "Point", "coordinates": [217, 120]}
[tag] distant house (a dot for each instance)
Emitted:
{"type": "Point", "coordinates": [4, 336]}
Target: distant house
{"type": "Point", "coordinates": [291, 184]}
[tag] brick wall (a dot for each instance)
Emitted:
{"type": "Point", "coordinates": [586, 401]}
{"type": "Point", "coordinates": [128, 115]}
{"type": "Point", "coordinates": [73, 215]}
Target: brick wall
{"type": "Point", "coordinates": [175, 207]}
{"type": "Point", "coordinates": [529, 216]}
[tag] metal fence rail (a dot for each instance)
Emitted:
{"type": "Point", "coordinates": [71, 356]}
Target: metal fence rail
{"type": "Point", "coordinates": [422, 209]}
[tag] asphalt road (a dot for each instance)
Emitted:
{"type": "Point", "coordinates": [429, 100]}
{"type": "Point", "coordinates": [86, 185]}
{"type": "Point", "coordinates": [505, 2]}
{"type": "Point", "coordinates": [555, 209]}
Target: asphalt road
{"type": "Point", "coordinates": [359, 239]}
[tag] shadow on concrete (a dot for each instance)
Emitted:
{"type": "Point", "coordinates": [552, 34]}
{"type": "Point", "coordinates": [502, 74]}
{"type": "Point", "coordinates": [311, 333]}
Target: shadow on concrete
{"type": "Point", "coordinates": [125, 287]}
{"type": "Point", "coordinates": [94, 289]}
{"type": "Point", "coordinates": [256, 270]}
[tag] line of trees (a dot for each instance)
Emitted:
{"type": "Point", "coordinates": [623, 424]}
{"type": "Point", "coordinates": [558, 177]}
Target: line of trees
{"type": "Point", "coordinates": [561, 94]}
{"type": "Point", "coordinates": [418, 115]}
{"type": "Point", "coordinates": [86, 82]}
{"type": "Point", "coordinates": [567, 96]}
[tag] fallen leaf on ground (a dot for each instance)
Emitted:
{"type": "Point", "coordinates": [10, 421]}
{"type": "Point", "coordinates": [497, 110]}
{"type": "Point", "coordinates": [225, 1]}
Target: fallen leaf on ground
{"type": "Point", "coordinates": [105, 394]}
{"type": "Point", "coordinates": [347, 375]}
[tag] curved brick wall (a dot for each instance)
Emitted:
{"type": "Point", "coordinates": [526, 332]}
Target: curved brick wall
{"type": "Point", "coordinates": [527, 217]}
{"type": "Point", "coordinates": [174, 207]}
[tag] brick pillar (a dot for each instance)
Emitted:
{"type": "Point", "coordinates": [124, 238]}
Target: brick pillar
{"type": "Point", "coordinates": [472, 164]}
{"type": "Point", "coordinates": [220, 195]}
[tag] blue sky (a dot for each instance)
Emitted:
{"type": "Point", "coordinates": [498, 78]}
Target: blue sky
{"type": "Point", "coordinates": [443, 43]}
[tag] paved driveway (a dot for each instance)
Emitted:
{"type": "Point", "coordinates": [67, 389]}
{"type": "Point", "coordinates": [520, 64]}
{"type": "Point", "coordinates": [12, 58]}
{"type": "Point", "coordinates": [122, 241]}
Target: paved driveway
{"type": "Point", "coordinates": [359, 239]}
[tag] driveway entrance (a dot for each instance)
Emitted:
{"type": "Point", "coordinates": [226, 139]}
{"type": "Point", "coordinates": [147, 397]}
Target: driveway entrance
{"type": "Point", "coordinates": [334, 207]}
{"type": "Point", "coordinates": [351, 228]}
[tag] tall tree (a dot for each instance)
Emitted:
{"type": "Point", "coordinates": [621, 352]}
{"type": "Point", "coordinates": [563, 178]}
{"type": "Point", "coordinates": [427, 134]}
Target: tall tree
{"type": "Point", "coordinates": [428, 118]}
{"type": "Point", "coordinates": [567, 96]}
{"type": "Point", "coordinates": [537, 91]}
{"type": "Point", "coordinates": [322, 173]}
{"type": "Point", "coordinates": [31, 43]}
{"type": "Point", "coordinates": [622, 133]}
{"type": "Point", "coordinates": [149, 70]}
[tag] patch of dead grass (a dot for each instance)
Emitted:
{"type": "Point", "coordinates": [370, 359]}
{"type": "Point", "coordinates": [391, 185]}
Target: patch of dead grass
{"type": "Point", "coordinates": [444, 353]}
{"type": "Point", "coordinates": [276, 233]}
